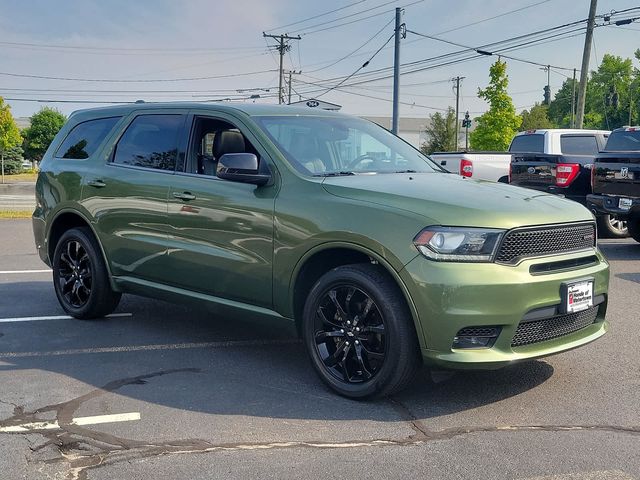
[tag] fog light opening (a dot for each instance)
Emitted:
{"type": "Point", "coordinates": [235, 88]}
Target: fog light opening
{"type": "Point", "coordinates": [476, 337]}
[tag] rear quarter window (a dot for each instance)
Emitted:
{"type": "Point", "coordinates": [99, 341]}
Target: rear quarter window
{"type": "Point", "coordinates": [84, 139]}
{"type": "Point", "coordinates": [578, 145]}
{"type": "Point", "coordinates": [530, 143]}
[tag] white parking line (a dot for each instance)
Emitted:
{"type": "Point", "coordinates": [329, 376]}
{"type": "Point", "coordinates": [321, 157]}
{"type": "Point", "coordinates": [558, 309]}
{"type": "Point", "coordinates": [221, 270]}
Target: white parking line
{"type": "Point", "coordinates": [142, 348]}
{"type": "Point", "coordinates": [95, 420]}
{"type": "Point", "coordinates": [55, 317]}
{"type": "Point", "coordinates": [11, 272]}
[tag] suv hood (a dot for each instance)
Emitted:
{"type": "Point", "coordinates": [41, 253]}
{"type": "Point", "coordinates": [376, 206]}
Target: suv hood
{"type": "Point", "coordinates": [448, 199]}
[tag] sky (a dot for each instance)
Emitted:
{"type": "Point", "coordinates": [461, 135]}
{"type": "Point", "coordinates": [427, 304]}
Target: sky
{"type": "Point", "coordinates": [176, 43]}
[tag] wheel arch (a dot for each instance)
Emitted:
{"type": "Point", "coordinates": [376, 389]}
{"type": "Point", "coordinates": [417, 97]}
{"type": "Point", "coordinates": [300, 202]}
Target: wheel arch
{"type": "Point", "coordinates": [327, 256]}
{"type": "Point", "coordinates": [64, 220]}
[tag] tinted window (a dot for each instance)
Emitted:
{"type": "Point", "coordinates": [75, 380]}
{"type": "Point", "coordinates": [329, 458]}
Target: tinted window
{"type": "Point", "coordinates": [528, 144]}
{"type": "Point", "coordinates": [84, 138]}
{"type": "Point", "coordinates": [623, 141]}
{"type": "Point", "coordinates": [150, 141]}
{"type": "Point", "coordinates": [578, 145]}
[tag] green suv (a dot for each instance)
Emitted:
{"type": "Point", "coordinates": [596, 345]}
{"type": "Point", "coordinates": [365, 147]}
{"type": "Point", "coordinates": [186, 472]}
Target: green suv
{"type": "Point", "coordinates": [381, 259]}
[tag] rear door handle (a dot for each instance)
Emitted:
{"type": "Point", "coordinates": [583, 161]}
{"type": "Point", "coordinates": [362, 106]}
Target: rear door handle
{"type": "Point", "coordinates": [96, 183]}
{"type": "Point", "coordinates": [184, 195]}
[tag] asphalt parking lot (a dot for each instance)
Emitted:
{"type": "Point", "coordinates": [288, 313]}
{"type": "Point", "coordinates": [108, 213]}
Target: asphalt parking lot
{"type": "Point", "coordinates": [164, 391]}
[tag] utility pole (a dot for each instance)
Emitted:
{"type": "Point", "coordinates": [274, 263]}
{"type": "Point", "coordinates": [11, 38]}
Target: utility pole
{"type": "Point", "coordinates": [457, 126]}
{"type": "Point", "coordinates": [290, 73]}
{"type": "Point", "coordinates": [282, 48]}
{"type": "Point", "coordinates": [573, 101]}
{"type": "Point", "coordinates": [584, 72]}
{"type": "Point", "coordinates": [399, 31]}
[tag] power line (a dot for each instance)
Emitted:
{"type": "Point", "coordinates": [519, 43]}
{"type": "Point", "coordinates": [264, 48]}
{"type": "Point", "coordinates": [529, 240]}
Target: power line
{"type": "Point", "coordinates": [360, 19]}
{"type": "Point", "coordinates": [107, 80]}
{"type": "Point", "coordinates": [356, 50]}
{"type": "Point", "coordinates": [364, 65]}
{"type": "Point", "coordinates": [311, 27]}
{"type": "Point", "coordinates": [317, 16]}
{"type": "Point", "coordinates": [493, 17]}
{"type": "Point", "coordinates": [131, 50]}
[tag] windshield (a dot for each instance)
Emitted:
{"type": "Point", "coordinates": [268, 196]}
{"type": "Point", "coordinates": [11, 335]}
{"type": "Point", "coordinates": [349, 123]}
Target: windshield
{"type": "Point", "coordinates": [325, 146]}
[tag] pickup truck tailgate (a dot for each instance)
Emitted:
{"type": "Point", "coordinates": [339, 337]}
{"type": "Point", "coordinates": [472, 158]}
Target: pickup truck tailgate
{"type": "Point", "coordinates": [534, 170]}
{"type": "Point", "coordinates": [617, 175]}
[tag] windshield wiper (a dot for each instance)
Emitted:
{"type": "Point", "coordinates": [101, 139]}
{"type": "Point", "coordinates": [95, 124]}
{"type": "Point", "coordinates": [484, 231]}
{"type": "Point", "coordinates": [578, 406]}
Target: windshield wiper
{"type": "Point", "coordinates": [333, 174]}
{"type": "Point", "coordinates": [406, 171]}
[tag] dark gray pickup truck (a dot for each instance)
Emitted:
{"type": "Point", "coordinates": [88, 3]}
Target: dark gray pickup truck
{"type": "Point", "coordinates": [615, 179]}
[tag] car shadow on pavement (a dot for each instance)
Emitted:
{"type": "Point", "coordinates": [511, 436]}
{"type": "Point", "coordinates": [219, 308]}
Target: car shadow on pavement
{"type": "Point", "coordinates": [268, 375]}
{"type": "Point", "coordinates": [631, 277]}
{"type": "Point", "coordinates": [620, 249]}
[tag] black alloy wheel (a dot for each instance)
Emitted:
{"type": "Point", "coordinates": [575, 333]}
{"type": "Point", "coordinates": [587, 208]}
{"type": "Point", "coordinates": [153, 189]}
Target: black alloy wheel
{"type": "Point", "coordinates": [80, 276]}
{"type": "Point", "coordinates": [74, 274]}
{"type": "Point", "coordinates": [359, 332]}
{"type": "Point", "coordinates": [350, 334]}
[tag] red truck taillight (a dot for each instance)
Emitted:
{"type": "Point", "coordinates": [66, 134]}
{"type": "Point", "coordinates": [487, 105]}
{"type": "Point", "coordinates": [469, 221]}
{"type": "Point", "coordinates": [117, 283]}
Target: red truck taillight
{"type": "Point", "coordinates": [466, 168]}
{"type": "Point", "coordinates": [566, 173]}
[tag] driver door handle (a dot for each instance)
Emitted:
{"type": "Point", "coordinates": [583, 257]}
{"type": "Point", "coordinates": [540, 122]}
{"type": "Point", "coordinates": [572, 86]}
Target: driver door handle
{"type": "Point", "coordinates": [184, 195]}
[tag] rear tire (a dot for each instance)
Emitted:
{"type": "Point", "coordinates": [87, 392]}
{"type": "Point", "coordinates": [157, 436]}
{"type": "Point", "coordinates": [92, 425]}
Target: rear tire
{"type": "Point", "coordinates": [359, 333]}
{"type": "Point", "coordinates": [610, 226]}
{"type": "Point", "coordinates": [633, 224]}
{"type": "Point", "coordinates": [80, 276]}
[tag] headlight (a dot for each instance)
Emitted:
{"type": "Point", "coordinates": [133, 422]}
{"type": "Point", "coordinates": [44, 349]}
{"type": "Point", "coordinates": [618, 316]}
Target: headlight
{"type": "Point", "coordinates": [458, 244]}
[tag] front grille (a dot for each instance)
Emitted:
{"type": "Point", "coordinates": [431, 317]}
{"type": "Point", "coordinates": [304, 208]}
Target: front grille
{"type": "Point", "coordinates": [554, 327]}
{"type": "Point", "coordinates": [532, 242]}
{"type": "Point", "coordinates": [478, 332]}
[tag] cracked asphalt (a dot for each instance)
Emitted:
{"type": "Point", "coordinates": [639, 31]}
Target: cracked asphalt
{"type": "Point", "coordinates": [222, 396]}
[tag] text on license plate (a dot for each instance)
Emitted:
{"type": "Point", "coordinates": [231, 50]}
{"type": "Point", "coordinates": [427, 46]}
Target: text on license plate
{"type": "Point", "coordinates": [624, 203]}
{"type": "Point", "coordinates": [579, 296]}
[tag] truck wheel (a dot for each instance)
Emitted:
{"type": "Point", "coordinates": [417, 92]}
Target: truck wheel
{"type": "Point", "coordinates": [80, 276]}
{"type": "Point", "coordinates": [634, 228]}
{"type": "Point", "coordinates": [359, 333]}
{"type": "Point", "coordinates": [610, 226]}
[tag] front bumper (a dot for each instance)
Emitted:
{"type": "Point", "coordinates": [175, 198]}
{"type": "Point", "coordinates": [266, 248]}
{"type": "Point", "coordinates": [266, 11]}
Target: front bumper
{"type": "Point", "coordinates": [451, 296]}
{"type": "Point", "coordinates": [610, 204]}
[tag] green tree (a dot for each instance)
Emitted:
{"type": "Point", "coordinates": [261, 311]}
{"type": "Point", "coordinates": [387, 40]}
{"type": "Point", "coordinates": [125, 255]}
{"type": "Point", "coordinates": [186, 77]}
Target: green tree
{"type": "Point", "coordinates": [441, 132]}
{"type": "Point", "coordinates": [13, 160]}
{"type": "Point", "coordinates": [497, 126]}
{"type": "Point", "coordinates": [560, 108]}
{"type": "Point", "coordinates": [9, 133]}
{"type": "Point", "coordinates": [536, 118]}
{"type": "Point", "coordinates": [614, 77]}
{"type": "Point", "coordinates": [45, 124]}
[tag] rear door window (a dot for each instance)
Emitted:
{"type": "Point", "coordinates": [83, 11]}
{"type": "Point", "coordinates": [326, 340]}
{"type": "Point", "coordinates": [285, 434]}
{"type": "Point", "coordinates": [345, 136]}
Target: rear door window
{"type": "Point", "coordinates": [578, 145]}
{"type": "Point", "coordinates": [84, 139]}
{"type": "Point", "coordinates": [150, 141]}
{"type": "Point", "coordinates": [530, 143]}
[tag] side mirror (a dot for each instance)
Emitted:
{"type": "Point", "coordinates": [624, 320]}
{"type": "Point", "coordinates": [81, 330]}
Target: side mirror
{"type": "Point", "coordinates": [241, 167]}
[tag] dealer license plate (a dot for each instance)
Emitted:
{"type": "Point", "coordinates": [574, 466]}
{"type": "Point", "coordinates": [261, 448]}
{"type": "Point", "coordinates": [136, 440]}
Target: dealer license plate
{"type": "Point", "coordinates": [624, 203]}
{"type": "Point", "coordinates": [579, 296]}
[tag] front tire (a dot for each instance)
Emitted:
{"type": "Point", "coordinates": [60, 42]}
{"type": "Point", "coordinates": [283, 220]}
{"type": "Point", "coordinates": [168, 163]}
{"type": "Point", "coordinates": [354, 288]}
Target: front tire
{"type": "Point", "coordinates": [80, 276]}
{"type": "Point", "coordinates": [610, 226]}
{"type": "Point", "coordinates": [359, 333]}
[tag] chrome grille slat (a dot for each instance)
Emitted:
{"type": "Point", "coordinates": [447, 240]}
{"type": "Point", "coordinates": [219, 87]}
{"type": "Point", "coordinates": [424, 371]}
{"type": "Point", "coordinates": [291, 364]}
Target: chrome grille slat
{"type": "Point", "coordinates": [549, 240]}
{"type": "Point", "coordinates": [553, 327]}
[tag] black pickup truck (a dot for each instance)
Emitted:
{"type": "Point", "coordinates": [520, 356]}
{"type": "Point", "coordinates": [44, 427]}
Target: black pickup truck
{"type": "Point", "coordinates": [616, 179]}
{"type": "Point", "coordinates": [565, 172]}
